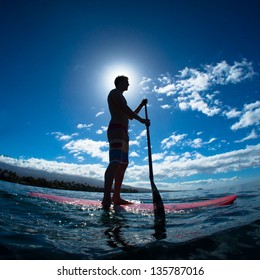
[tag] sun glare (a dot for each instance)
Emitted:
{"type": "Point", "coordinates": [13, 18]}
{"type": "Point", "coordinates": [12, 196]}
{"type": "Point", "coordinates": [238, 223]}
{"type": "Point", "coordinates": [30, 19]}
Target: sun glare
{"type": "Point", "coordinates": [112, 71]}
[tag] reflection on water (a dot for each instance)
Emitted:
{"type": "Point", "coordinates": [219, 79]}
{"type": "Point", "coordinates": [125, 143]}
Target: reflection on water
{"type": "Point", "coordinates": [115, 223]}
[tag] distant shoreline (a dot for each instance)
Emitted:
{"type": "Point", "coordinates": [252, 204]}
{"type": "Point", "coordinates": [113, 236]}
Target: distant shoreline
{"type": "Point", "coordinates": [13, 177]}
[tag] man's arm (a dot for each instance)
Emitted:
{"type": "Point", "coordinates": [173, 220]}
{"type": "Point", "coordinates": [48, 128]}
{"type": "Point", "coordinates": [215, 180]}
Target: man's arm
{"type": "Point", "coordinates": [132, 114]}
{"type": "Point", "coordinates": [121, 103]}
{"type": "Point", "coordinates": [138, 109]}
{"type": "Point", "coordinates": [140, 106]}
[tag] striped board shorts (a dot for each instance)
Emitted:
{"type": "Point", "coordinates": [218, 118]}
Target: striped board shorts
{"type": "Point", "coordinates": [118, 139]}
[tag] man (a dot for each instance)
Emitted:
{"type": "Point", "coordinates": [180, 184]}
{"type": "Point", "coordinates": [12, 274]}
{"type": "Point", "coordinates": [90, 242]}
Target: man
{"type": "Point", "coordinates": [117, 134]}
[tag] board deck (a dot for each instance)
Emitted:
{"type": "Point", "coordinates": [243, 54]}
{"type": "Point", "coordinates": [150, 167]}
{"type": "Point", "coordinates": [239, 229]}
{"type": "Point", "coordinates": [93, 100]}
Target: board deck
{"type": "Point", "coordinates": [136, 207]}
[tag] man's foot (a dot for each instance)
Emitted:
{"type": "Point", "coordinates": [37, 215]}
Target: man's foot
{"type": "Point", "coordinates": [105, 206]}
{"type": "Point", "coordinates": [106, 203]}
{"type": "Point", "coordinates": [120, 201]}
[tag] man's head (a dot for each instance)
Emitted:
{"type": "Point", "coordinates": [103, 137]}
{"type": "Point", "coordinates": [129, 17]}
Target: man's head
{"type": "Point", "coordinates": [121, 83]}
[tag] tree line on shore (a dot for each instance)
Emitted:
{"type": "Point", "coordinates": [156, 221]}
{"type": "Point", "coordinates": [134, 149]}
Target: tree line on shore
{"type": "Point", "coordinates": [10, 176]}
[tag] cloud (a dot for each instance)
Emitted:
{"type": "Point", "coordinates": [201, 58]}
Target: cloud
{"type": "Point", "coordinates": [252, 135]}
{"type": "Point", "coordinates": [134, 154]}
{"type": "Point", "coordinates": [166, 106]}
{"type": "Point", "coordinates": [54, 169]}
{"type": "Point", "coordinates": [146, 84]}
{"type": "Point", "coordinates": [63, 137]}
{"type": "Point", "coordinates": [207, 182]}
{"type": "Point", "coordinates": [168, 89]}
{"type": "Point", "coordinates": [134, 142]}
{"type": "Point", "coordinates": [189, 89]}
{"type": "Point", "coordinates": [101, 130]}
{"type": "Point", "coordinates": [100, 113]}
{"type": "Point", "coordinates": [141, 135]}
{"type": "Point", "coordinates": [189, 164]}
{"type": "Point", "coordinates": [233, 113]}
{"type": "Point", "coordinates": [87, 126]}
{"type": "Point", "coordinates": [211, 140]}
{"type": "Point", "coordinates": [196, 102]}
{"type": "Point", "coordinates": [191, 80]}
{"type": "Point", "coordinates": [182, 140]}
{"type": "Point", "coordinates": [221, 163]}
{"type": "Point", "coordinates": [196, 143]}
{"type": "Point", "coordinates": [249, 116]}
{"type": "Point", "coordinates": [166, 167]}
{"type": "Point", "coordinates": [158, 156]}
{"type": "Point", "coordinates": [172, 140]}
{"type": "Point", "coordinates": [95, 149]}
{"type": "Point", "coordinates": [223, 73]}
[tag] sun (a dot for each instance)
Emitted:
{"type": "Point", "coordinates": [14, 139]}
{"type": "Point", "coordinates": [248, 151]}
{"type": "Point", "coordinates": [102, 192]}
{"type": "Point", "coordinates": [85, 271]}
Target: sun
{"type": "Point", "coordinates": [112, 71]}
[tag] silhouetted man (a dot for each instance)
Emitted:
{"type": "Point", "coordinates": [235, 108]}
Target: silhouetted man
{"type": "Point", "coordinates": [118, 138]}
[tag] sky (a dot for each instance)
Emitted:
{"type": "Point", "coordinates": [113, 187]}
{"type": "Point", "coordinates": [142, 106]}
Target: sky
{"type": "Point", "coordinates": [197, 63]}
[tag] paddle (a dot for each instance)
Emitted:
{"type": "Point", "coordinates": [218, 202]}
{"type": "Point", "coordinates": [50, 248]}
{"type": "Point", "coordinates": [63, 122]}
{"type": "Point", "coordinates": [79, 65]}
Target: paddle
{"type": "Point", "coordinates": [159, 212]}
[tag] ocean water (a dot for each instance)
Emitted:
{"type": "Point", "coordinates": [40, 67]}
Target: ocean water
{"type": "Point", "coordinates": [33, 228]}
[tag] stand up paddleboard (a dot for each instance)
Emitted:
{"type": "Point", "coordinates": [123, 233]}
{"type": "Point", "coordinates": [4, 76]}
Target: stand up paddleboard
{"type": "Point", "coordinates": [136, 207]}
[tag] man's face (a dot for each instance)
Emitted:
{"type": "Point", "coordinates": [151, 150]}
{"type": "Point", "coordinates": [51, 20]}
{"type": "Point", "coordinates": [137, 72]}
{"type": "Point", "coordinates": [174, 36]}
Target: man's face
{"type": "Point", "coordinates": [125, 85]}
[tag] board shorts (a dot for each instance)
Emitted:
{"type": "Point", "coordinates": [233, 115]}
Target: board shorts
{"type": "Point", "coordinates": [118, 139]}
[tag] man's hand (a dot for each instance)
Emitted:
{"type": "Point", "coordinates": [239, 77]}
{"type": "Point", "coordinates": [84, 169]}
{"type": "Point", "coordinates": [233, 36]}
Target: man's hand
{"type": "Point", "coordinates": [144, 102]}
{"type": "Point", "coordinates": [146, 122]}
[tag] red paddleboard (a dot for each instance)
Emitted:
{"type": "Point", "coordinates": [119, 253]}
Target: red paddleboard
{"type": "Point", "coordinates": [136, 207]}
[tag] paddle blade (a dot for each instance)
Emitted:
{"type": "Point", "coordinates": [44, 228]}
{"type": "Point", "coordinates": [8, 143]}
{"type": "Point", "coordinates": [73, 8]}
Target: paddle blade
{"type": "Point", "coordinates": [159, 212]}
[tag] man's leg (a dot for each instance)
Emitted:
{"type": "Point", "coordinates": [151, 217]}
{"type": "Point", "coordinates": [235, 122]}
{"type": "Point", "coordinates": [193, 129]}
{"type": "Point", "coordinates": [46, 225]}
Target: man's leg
{"type": "Point", "coordinates": [110, 175]}
{"type": "Point", "coordinates": [118, 183]}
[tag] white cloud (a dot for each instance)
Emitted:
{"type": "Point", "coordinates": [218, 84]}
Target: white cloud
{"type": "Point", "coordinates": [196, 143]}
{"type": "Point", "coordinates": [233, 113]}
{"type": "Point", "coordinates": [167, 168]}
{"type": "Point", "coordinates": [93, 148]}
{"type": "Point", "coordinates": [223, 73]}
{"type": "Point", "coordinates": [141, 135]}
{"type": "Point", "coordinates": [250, 116]}
{"type": "Point", "coordinates": [63, 137]}
{"type": "Point", "coordinates": [191, 80]}
{"type": "Point", "coordinates": [240, 71]}
{"type": "Point", "coordinates": [252, 135]}
{"type": "Point", "coordinates": [197, 103]}
{"type": "Point", "coordinates": [252, 106]}
{"type": "Point", "coordinates": [101, 130]}
{"type": "Point", "coordinates": [190, 87]}
{"type": "Point", "coordinates": [134, 142]}
{"type": "Point", "coordinates": [134, 154]}
{"type": "Point", "coordinates": [166, 106]}
{"type": "Point", "coordinates": [184, 106]}
{"type": "Point", "coordinates": [61, 158]}
{"type": "Point", "coordinates": [87, 126]}
{"type": "Point", "coordinates": [172, 140]}
{"type": "Point", "coordinates": [193, 164]}
{"type": "Point", "coordinates": [168, 90]}
{"type": "Point", "coordinates": [78, 157]}
{"type": "Point", "coordinates": [211, 140]}
{"type": "Point", "coordinates": [146, 84]}
{"type": "Point", "coordinates": [100, 113]}
{"type": "Point", "coordinates": [57, 170]}
{"type": "Point", "coordinates": [182, 140]}
{"type": "Point", "coordinates": [165, 79]}
{"type": "Point", "coordinates": [158, 156]}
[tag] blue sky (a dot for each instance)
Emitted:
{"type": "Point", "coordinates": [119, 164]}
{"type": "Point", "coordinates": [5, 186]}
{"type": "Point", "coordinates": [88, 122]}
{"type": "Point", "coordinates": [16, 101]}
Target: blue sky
{"type": "Point", "coordinates": [197, 62]}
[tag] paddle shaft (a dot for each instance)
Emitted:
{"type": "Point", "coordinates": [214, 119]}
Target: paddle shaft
{"type": "Point", "coordinates": [157, 200]}
{"type": "Point", "coordinates": [149, 149]}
